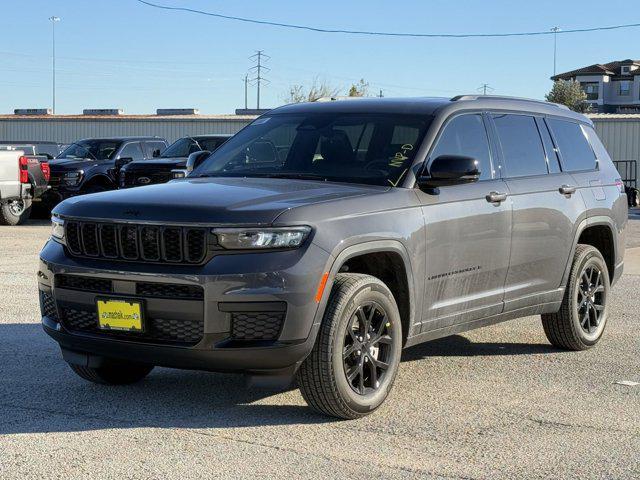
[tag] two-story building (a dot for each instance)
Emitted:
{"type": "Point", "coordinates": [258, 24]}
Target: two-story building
{"type": "Point", "coordinates": [610, 87]}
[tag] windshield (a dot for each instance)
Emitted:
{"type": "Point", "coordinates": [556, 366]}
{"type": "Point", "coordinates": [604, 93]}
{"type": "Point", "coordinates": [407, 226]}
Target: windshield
{"type": "Point", "coordinates": [374, 149]}
{"type": "Point", "coordinates": [186, 146]}
{"type": "Point", "coordinates": [91, 149]}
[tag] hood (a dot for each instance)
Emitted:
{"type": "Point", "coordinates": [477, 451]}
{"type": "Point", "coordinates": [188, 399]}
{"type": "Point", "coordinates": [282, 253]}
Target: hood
{"type": "Point", "coordinates": [248, 201]}
{"type": "Point", "coordinates": [70, 164]}
{"type": "Point", "coordinates": [156, 164]}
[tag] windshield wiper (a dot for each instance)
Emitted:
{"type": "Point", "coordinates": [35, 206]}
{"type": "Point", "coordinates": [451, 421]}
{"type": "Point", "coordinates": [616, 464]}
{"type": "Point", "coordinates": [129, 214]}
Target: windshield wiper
{"type": "Point", "coordinates": [295, 176]}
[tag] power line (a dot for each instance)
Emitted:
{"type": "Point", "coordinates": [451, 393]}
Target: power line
{"type": "Point", "coordinates": [389, 34]}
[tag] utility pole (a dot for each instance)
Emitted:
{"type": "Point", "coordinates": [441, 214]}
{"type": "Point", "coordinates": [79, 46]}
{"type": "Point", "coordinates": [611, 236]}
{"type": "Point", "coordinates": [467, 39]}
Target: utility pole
{"type": "Point", "coordinates": [257, 69]}
{"type": "Point", "coordinates": [53, 21]}
{"type": "Point", "coordinates": [246, 89]}
{"type": "Point", "coordinates": [555, 31]}
{"type": "Point", "coordinates": [485, 88]}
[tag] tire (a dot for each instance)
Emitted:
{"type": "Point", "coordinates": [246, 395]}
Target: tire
{"type": "Point", "coordinates": [116, 374]}
{"type": "Point", "coordinates": [581, 320]}
{"type": "Point", "coordinates": [356, 302]}
{"type": "Point", "coordinates": [15, 212]}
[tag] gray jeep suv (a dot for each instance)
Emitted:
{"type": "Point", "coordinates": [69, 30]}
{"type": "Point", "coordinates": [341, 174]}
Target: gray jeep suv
{"type": "Point", "coordinates": [323, 238]}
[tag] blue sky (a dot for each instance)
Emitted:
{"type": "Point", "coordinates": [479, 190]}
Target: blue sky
{"type": "Point", "coordinates": [119, 53]}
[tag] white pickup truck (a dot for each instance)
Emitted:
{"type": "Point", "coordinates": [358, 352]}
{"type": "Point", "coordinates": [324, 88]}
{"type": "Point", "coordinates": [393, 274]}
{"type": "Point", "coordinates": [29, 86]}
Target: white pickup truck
{"type": "Point", "coordinates": [23, 178]}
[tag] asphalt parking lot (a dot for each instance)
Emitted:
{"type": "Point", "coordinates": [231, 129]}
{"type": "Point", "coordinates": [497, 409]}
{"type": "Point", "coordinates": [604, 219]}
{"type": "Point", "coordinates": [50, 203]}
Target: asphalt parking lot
{"type": "Point", "coordinates": [499, 402]}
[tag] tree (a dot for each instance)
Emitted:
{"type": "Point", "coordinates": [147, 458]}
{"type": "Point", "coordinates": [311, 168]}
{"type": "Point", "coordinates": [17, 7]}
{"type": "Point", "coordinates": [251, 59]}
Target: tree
{"type": "Point", "coordinates": [318, 90]}
{"type": "Point", "coordinates": [360, 89]}
{"type": "Point", "coordinates": [296, 94]}
{"type": "Point", "coordinates": [569, 93]}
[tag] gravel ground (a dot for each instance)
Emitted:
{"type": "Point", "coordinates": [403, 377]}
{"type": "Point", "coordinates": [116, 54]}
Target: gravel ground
{"type": "Point", "coordinates": [499, 402]}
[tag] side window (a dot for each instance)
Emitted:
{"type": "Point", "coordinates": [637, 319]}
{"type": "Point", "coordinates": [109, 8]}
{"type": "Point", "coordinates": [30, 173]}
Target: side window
{"type": "Point", "coordinates": [553, 162]}
{"type": "Point", "coordinates": [521, 145]}
{"type": "Point", "coordinates": [151, 147]}
{"type": "Point", "coordinates": [466, 135]}
{"type": "Point", "coordinates": [132, 150]}
{"type": "Point", "coordinates": [596, 143]}
{"type": "Point", "coordinates": [574, 148]}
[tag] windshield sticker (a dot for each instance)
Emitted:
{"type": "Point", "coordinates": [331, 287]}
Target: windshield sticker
{"type": "Point", "coordinates": [399, 158]}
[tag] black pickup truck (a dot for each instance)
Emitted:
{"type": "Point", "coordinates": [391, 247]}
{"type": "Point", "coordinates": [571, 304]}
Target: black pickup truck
{"type": "Point", "coordinates": [92, 165]}
{"type": "Point", "coordinates": [158, 170]}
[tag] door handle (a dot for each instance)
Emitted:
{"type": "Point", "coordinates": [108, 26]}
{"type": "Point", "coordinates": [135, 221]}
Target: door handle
{"type": "Point", "coordinates": [496, 197]}
{"type": "Point", "coordinates": [567, 189]}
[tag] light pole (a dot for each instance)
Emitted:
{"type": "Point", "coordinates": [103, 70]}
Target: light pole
{"type": "Point", "coordinates": [53, 21]}
{"type": "Point", "coordinates": [555, 31]}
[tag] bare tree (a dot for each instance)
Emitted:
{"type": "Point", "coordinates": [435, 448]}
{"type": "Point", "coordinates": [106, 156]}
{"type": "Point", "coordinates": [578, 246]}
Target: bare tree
{"type": "Point", "coordinates": [319, 89]}
{"type": "Point", "coordinates": [360, 89]}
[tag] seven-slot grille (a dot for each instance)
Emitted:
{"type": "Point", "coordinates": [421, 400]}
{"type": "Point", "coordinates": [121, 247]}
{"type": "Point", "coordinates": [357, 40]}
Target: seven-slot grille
{"type": "Point", "coordinates": [144, 243]}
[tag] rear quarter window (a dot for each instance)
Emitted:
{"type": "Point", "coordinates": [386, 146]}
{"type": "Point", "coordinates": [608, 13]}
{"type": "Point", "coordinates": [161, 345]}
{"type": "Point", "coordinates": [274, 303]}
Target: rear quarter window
{"type": "Point", "coordinates": [575, 151]}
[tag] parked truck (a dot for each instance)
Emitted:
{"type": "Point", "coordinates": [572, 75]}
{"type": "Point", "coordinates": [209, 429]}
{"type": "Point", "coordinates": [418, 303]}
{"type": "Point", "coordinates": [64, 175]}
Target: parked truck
{"type": "Point", "coordinates": [23, 178]}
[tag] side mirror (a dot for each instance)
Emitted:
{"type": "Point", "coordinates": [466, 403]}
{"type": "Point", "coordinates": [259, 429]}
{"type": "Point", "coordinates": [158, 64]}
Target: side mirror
{"type": "Point", "coordinates": [195, 160]}
{"type": "Point", "coordinates": [448, 170]}
{"type": "Point", "coordinates": [121, 162]}
{"type": "Point", "coordinates": [178, 173]}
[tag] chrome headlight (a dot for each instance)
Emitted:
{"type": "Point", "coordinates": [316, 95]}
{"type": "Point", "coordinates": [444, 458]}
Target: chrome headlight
{"type": "Point", "coordinates": [73, 178]}
{"type": "Point", "coordinates": [57, 229]}
{"type": "Point", "coordinates": [261, 238]}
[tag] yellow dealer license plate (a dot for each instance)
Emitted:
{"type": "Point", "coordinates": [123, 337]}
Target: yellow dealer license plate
{"type": "Point", "coordinates": [122, 315]}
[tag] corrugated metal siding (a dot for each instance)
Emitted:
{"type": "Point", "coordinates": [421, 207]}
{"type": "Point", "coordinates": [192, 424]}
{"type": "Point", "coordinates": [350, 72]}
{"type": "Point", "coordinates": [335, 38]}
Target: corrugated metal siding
{"type": "Point", "coordinates": [67, 131]}
{"type": "Point", "coordinates": [621, 136]}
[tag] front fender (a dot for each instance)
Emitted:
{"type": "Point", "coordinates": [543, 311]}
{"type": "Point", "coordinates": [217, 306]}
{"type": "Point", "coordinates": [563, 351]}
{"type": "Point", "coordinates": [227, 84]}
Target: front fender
{"type": "Point", "coordinates": [354, 248]}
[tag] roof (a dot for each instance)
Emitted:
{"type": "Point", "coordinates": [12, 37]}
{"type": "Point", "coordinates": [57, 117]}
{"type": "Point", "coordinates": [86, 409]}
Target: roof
{"type": "Point", "coordinates": [611, 68]}
{"type": "Point", "coordinates": [230, 117]}
{"type": "Point", "coordinates": [415, 106]}
{"type": "Point", "coordinates": [429, 106]}
{"type": "Point", "coordinates": [614, 116]}
{"type": "Point", "coordinates": [121, 138]}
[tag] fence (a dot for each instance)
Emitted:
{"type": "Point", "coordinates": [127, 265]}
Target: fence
{"type": "Point", "coordinates": [628, 171]}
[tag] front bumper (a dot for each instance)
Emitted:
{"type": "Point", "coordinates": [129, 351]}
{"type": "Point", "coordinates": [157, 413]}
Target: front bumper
{"type": "Point", "coordinates": [229, 283]}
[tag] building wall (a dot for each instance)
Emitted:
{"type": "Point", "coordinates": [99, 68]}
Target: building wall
{"type": "Point", "coordinates": [67, 130]}
{"type": "Point", "coordinates": [620, 135]}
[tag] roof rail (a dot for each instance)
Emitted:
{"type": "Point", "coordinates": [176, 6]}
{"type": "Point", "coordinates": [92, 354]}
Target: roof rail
{"type": "Point", "coordinates": [505, 98]}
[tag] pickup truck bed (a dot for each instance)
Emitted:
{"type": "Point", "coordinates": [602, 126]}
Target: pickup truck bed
{"type": "Point", "coordinates": [23, 178]}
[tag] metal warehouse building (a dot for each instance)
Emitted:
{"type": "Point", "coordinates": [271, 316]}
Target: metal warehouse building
{"type": "Point", "coordinates": [620, 133]}
{"type": "Point", "coordinates": [69, 128]}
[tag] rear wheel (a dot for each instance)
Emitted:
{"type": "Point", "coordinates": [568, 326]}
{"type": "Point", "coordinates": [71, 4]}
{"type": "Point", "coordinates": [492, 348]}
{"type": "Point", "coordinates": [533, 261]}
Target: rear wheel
{"type": "Point", "coordinates": [582, 317]}
{"type": "Point", "coordinates": [117, 374]}
{"type": "Point", "coordinates": [354, 362]}
{"type": "Point", "coordinates": [15, 212]}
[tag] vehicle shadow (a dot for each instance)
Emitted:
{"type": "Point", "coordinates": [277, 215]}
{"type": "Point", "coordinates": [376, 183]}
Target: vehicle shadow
{"type": "Point", "coordinates": [40, 393]}
{"type": "Point", "coordinates": [459, 346]}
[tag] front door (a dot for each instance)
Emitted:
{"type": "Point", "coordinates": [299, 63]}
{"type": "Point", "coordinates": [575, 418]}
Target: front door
{"type": "Point", "coordinates": [468, 232]}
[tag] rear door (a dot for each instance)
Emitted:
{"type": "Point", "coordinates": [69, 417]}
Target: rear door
{"type": "Point", "coordinates": [546, 207]}
{"type": "Point", "coordinates": [468, 232]}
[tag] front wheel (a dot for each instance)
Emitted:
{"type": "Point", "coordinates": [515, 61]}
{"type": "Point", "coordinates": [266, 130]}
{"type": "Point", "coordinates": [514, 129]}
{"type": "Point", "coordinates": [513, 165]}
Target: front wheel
{"type": "Point", "coordinates": [354, 362]}
{"type": "Point", "coordinates": [15, 212]}
{"type": "Point", "coordinates": [581, 320]}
